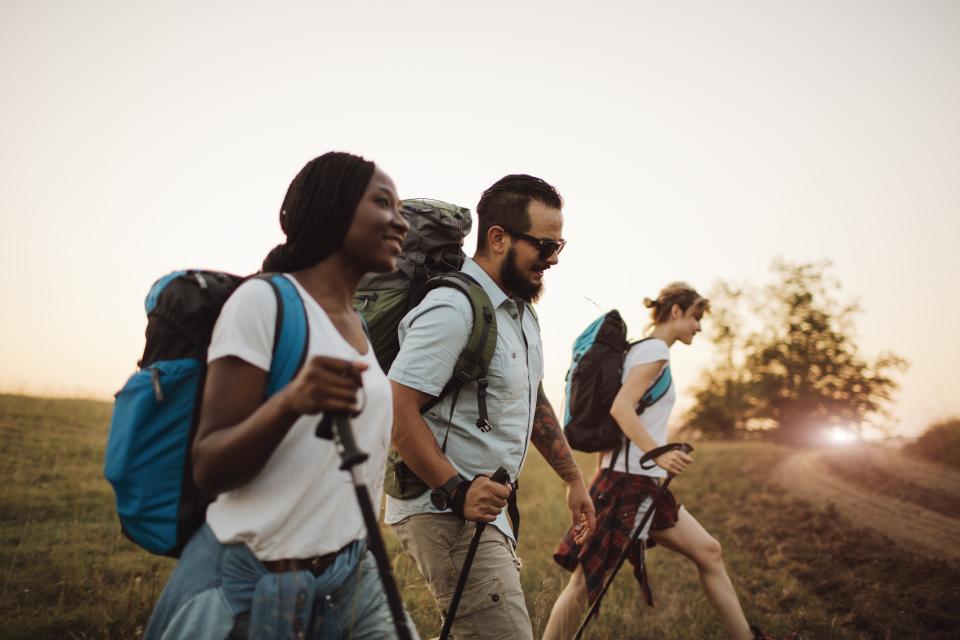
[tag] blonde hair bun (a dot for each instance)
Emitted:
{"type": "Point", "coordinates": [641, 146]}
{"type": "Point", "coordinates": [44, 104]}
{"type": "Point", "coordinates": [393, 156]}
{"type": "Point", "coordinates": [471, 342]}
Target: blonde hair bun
{"type": "Point", "coordinates": [676, 293]}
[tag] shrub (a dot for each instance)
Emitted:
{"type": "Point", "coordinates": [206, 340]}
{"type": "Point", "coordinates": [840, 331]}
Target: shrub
{"type": "Point", "coordinates": [940, 443]}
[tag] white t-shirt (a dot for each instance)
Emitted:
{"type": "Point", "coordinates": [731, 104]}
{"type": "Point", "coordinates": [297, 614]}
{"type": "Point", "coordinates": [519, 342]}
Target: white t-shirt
{"type": "Point", "coordinates": [300, 504]}
{"type": "Point", "coordinates": [656, 416]}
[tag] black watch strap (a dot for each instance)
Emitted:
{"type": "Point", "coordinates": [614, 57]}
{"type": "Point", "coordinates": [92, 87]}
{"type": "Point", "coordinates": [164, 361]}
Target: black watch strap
{"type": "Point", "coordinates": [460, 497]}
{"type": "Point", "coordinates": [448, 487]}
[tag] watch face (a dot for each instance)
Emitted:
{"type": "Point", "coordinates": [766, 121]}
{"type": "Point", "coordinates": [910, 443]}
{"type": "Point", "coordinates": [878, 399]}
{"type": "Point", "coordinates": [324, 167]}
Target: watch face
{"type": "Point", "coordinates": [438, 500]}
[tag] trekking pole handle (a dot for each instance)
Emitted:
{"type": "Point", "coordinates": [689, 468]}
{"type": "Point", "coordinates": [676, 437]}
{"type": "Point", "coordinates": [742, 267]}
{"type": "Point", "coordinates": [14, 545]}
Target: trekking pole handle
{"type": "Point", "coordinates": [350, 454]}
{"type": "Point", "coordinates": [649, 456]}
{"type": "Point", "coordinates": [500, 476]}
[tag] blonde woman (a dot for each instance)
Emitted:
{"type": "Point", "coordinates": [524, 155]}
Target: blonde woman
{"type": "Point", "coordinates": [622, 491]}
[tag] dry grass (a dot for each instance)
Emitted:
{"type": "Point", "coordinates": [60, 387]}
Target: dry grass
{"type": "Point", "coordinates": [67, 572]}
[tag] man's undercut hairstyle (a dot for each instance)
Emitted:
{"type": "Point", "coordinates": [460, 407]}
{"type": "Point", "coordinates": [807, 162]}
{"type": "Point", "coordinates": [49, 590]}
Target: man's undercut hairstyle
{"type": "Point", "coordinates": [318, 209]}
{"type": "Point", "coordinates": [506, 204]}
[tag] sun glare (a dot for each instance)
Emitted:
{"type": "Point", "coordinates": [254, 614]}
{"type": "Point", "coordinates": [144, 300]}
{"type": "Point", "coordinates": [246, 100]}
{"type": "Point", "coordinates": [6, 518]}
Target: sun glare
{"type": "Point", "coordinates": [839, 435]}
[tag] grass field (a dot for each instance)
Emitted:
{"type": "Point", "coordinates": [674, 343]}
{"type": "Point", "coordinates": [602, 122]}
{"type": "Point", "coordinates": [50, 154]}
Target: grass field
{"type": "Point", "coordinates": [67, 572]}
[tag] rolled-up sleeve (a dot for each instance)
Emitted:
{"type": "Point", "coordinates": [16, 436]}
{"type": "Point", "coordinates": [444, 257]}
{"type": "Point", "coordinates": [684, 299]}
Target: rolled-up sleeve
{"type": "Point", "coordinates": [432, 337]}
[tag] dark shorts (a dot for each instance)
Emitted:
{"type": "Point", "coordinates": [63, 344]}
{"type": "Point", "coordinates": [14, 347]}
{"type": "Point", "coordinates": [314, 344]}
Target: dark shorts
{"type": "Point", "coordinates": [617, 497]}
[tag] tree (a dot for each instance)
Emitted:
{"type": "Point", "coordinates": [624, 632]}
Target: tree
{"type": "Point", "coordinates": [795, 367]}
{"type": "Point", "coordinates": [722, 401]}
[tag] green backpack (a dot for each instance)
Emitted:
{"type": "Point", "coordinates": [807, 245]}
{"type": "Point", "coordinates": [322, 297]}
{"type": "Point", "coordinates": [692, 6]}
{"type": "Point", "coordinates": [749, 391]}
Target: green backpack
{"type": "Point", "coordinates": [432, 256]}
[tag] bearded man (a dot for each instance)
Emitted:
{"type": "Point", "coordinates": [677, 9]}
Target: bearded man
{"type": "Point", "coordinates": [520, 226]}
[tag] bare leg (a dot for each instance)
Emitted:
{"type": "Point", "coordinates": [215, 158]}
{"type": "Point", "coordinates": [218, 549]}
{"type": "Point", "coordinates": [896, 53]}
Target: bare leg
{"type": "Point", "coordinates": [689, 538]}
{"type": "Point", "coordinates": [568, 609]}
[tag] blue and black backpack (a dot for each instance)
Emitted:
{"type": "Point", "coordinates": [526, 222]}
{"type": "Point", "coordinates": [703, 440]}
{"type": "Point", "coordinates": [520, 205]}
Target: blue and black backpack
{"type": "Point", "coordinates": [593, 380]}
{"type": "Point", "coordinates": [155, 414]}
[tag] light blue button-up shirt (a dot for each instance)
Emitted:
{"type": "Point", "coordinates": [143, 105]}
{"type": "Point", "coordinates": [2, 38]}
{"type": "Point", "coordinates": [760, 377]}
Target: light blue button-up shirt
{"type": "Point", "coordinates": [432, 336]}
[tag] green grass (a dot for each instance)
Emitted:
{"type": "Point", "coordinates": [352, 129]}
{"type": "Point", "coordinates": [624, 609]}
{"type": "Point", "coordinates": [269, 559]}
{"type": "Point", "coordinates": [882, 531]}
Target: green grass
{"type": "Point", "coordinates": [67, 572]}
{"type": "Point", "coordinates": [65, 569]}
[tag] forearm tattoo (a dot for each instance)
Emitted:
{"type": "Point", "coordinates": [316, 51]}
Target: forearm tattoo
{"type": "Point", "coordinates": [547, 437]}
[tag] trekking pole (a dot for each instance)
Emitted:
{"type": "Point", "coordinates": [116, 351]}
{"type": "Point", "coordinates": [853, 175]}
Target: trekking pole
{"type": "Point", "coordinates": [337, 425]}
{"type": "Point", "coordinates": [637, 531]}
{"type": "Point", "coordinates": [501, 476]}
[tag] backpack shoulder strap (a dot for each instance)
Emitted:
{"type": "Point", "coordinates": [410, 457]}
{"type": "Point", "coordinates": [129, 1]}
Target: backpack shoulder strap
{"type": "Point", "coordinates": [475, 358]}
{"type": "Point", "coordinates": [292, 333]}
{"type": "Point", "coordinates": [482, 341]}
{"type": "Point", "coordinates": [659, 387]}
{"type": "Point", "coordinates": [476, 355]}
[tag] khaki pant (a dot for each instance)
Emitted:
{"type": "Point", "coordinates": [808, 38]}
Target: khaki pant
{"type": "Point", "coordinates": [492, 605]}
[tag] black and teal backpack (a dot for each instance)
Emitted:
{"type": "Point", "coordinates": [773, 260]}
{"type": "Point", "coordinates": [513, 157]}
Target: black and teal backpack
{"type": "Point", "coordinates": [432, 257]}
{"type": "Point", "coordinates": [155, 414]}
{"type": "Point", "coordinates": [593, 380]}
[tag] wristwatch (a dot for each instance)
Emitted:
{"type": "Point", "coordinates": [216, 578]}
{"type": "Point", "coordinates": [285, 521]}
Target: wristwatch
{"type": "Point", "coordinates": [442, 497]}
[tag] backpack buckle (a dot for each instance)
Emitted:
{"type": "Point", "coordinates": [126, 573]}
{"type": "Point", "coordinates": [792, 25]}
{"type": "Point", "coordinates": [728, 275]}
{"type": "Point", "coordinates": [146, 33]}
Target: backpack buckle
{"type": "Point", "coordinates": [482, 422]}
{"type": "Point", "coordinates": [155, 381]}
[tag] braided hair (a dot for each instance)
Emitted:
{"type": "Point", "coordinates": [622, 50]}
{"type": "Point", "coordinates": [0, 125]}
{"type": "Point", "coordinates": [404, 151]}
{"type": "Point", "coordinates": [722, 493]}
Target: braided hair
{"type": "Point", "coordinates": [318, 209]}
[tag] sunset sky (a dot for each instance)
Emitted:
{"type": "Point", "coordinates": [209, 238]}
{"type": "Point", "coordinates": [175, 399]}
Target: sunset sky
{"type": "Point", "coordinates": [692, 141]}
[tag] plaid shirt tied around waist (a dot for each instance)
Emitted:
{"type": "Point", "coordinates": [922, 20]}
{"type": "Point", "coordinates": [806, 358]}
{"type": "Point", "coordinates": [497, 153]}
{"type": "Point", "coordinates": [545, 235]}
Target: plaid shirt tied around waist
{"type": "Point", "coordinates": [617, 497]}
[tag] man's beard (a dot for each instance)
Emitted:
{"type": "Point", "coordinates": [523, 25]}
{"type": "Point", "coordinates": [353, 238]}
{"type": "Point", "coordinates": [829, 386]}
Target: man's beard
{"type": "Point", "coordinates": [514, 281]}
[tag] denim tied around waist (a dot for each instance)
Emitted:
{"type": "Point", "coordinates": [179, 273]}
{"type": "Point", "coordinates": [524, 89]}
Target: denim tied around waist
{"type": "Point", "coordinates": [284, 601]}
{"type": "Point", "coordinates": [215, 582]}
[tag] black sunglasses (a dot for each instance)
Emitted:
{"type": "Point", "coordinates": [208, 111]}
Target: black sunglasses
{"type": "Point", "coordinates": [546, 247]}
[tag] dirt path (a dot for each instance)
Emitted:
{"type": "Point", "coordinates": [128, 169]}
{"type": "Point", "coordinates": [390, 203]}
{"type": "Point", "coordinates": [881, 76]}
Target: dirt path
{"type": "Point", "coordinates": [928, 475]}
{"type": "Point", "coordinates": [805, 474]}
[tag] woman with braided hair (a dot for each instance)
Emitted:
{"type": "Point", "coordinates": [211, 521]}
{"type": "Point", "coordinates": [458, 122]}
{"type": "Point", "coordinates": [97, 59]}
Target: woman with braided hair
{"type": "Point", "coordinates": [282, 552]}
{"type": "Point", "coordinates": [622, 490]}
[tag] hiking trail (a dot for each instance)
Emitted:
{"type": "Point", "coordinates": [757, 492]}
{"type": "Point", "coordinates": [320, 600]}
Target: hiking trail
{"type": "Point", "coordinates": [807, 475]}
